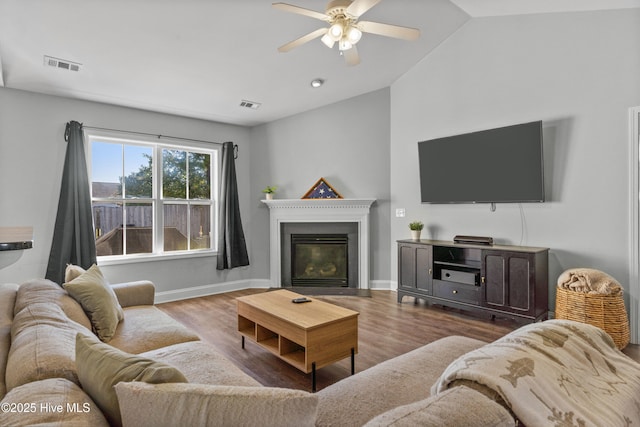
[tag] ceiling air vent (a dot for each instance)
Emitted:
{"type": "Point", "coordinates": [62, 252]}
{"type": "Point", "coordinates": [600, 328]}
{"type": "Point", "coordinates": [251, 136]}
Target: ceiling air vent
{"type": "Point", "coordinates": [61, 63]}
{"type": "Point", "coordinates": [250, 104]}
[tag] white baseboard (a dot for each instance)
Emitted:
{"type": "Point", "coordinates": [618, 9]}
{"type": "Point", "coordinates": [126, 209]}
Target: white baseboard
{"type": "Point", "coordinates": [381, 285]}
{"type": "Point", "coordinates": [215, 288]}
{"type": "Point", "coordinates": [219, 288]}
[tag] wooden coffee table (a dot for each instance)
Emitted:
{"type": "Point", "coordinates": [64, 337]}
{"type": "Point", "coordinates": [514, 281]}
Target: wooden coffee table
{"type": "Point", "coordinates": [308, 336]}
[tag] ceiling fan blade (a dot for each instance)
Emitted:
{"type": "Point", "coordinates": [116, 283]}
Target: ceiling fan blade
{"type": "Point", "coordinates": [388, 30]}
{"type": "Point", "coordinates": [302, 40]}
{"type": "Point", "coordinates": [359, 7]}
{"type": "Point", "coordinates": [351, 56]}
{"type": "Point", "coordinates": [300, 11]}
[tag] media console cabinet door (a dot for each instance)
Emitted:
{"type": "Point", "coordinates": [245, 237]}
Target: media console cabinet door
{"type": "Point", "coordinates": [424, 268]}
{"type": "Point", "coordinates": [495, 280]}
{"type": "Point", "coordinates": [509, 280]}
{"type": "Point", "coordinates": [407, 266]}
{"type": "Point", "coordinates": [415, 270]}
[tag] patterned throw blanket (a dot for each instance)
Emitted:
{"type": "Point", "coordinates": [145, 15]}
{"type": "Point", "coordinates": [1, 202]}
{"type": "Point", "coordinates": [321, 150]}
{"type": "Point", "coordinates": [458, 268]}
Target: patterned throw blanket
{"type": "Point", "coordinates": [554, 373]}
{"type": "Point", "coordinates": [589, 281]}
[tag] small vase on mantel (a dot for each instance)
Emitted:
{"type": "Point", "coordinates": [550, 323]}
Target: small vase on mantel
{"type": "Point", "coordinates": [269, 196]}
{"type": "Point", "coordinates": [416, 229]}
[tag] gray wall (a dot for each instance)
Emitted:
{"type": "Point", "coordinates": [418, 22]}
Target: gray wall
{"type": "Point", "coordinates": [347, 143]}
{"type": "Point", "coordinates": [578, 73]}
{"type": "Point", "coordinates": [32, 151]}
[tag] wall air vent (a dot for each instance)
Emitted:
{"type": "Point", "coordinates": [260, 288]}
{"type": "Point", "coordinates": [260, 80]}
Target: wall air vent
{"type": "Point", "coordinates": [250, 104]}
{"type": "Point", "coordinates": [51, 61]}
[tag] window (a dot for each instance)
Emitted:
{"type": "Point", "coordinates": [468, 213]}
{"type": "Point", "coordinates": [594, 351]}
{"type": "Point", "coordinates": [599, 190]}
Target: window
{"type": "Point", "coordinates": [151, 198]}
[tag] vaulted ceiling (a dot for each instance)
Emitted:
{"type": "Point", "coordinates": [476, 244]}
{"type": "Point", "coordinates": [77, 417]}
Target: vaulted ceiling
{"type": "Point", "coordinates": [201, 59]}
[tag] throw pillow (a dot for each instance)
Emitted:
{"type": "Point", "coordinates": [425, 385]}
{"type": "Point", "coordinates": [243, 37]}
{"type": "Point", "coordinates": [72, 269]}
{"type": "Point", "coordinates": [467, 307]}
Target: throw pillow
{"type": "Point", "coordinates": [147, 405]}
{"type": "Point", "coordinates": [101, 366]}
{"type": "Point", "coordinates": [98, 300]}
{"type": "Point", "coordinates": [72, 271]}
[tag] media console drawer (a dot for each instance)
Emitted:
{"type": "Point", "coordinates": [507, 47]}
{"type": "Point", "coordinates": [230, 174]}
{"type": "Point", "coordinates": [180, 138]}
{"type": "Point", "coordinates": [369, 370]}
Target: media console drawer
{"type": "Point", "coordinates": [459, 276]}
{"type": "Point", "coordinates": [456, 291]}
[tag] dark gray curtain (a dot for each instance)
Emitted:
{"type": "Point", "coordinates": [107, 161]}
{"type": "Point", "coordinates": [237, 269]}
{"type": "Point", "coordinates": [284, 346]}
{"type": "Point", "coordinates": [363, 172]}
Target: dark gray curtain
{"type": "Point", "coordinates": [73, 239]}
{"type": "Point", "coordinates": [232, 248]}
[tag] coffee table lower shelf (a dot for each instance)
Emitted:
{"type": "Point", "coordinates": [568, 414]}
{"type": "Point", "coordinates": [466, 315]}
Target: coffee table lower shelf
{"type": "Point", "coordinates": [296, 358]}
{"type": "Point", "coordinates": [307, 337]}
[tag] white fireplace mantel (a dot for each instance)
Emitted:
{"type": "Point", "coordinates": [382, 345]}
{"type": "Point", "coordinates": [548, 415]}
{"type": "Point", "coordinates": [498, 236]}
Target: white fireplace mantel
{"type": "Point", "coordinates": [283, 211]}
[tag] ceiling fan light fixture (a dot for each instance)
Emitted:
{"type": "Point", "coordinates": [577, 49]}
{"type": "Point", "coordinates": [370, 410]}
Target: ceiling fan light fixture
{"type": "Point", "coordinates": [344, 44]}
{"type": "Point", "coordinates": [353, 35]}
{"type": "Point", "coordinates": [336, 31]}
{"type": "Point", "coordinates": [328, 40]}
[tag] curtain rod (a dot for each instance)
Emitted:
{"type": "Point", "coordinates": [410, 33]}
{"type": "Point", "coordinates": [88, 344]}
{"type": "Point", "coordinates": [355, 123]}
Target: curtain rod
{"type": "Point", "coordinates": [159, 136]}
{"type": "Point", "coordinates": [152, 134]}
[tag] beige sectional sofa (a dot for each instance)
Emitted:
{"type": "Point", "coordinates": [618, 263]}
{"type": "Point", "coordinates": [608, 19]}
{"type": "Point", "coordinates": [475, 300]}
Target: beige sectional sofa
{"type": "Point", "coordinates": [54, 371]}
{"type": "Point", "coordinates": [39, 323]}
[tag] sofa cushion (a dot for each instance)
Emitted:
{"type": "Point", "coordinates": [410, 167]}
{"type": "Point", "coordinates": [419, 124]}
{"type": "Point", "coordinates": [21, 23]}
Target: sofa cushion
{"type": "Point", "coordinates": [139, 292]}
{"type": "Point", "coordinates": [200, 404]}
{"type": "Point", "coordinates": [202, 364]}
{"type": "Point", "coordinates": [146, 327]}
{"type": "Point", "coordinates": [65, 404]}
{"type": "Point", "coordinates": [459, 406]}
{"type": "Point", "coordinates": [42, 345]}
{"type": "Point", "coordinates": [45, 291]}
{"type": "Point", "coordinates": [98, 300]}
{"type": "Point", "coordinates": [100, 367]}
{"type": "Point", "coordinates": [404, 379]}
{"type": "Point", "coordinates": [7, 301]}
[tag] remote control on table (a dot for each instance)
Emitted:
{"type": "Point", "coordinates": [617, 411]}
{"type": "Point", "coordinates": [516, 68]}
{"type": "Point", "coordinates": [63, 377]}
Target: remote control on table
{"type": "Point", "coordinates": [300, 300]}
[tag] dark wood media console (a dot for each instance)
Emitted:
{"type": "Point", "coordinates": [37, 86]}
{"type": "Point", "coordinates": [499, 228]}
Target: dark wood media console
{"type": "Point", "coordinates": [508, 281]}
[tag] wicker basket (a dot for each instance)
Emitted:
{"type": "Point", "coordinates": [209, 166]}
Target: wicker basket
{"type": "Point", "coordinates": [607, 312]}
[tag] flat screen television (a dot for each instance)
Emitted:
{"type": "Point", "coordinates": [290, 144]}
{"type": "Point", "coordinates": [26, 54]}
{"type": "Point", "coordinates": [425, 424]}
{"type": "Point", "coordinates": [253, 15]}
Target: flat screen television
{"type": "Point", "coordinates": [502, 165]}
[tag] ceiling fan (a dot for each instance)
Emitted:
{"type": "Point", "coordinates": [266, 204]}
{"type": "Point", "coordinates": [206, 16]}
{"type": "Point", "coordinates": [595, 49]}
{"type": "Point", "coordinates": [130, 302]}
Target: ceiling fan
{"type": "Point", "coordinates": [344, 27]}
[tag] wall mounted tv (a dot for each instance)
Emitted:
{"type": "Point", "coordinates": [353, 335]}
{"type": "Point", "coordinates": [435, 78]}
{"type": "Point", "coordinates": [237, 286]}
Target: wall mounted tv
{"type": "Point", "coordinates": [502, 165]}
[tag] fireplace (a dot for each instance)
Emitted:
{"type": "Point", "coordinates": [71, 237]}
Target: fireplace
{"type": "Point", "coordinates": [324, 217]}
{"type": "Point", "coordinates": [319, 254]}
{"type": "Point", "coordinates": [319, 260]}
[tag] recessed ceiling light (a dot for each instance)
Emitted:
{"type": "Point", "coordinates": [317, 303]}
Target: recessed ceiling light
{"type": "Point", "coordinates": [316, 83]}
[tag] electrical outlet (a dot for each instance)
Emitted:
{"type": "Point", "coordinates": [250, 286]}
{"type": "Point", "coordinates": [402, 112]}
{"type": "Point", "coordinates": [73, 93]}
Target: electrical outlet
{"type": "Point", "coordinates": [400, 213]}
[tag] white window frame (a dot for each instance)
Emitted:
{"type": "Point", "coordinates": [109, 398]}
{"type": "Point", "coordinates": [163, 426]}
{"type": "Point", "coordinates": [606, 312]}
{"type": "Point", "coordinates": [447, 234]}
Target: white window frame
{"type": "Point", "coordinates": [158, 144]}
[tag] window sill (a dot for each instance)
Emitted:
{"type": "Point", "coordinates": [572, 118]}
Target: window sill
{"type": "Point", "coordinates": [135, 259]}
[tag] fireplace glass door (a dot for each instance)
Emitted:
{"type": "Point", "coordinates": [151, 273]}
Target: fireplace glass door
{"type": "Point", "coordinates": [319, 260]}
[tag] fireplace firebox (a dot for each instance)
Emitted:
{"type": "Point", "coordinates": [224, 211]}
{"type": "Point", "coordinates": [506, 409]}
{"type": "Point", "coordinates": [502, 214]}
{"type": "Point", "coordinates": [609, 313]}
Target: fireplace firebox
{"type": "Point", "coordinates": [319, 260]}
{"type": "Point", "coordinates": [319, 254]}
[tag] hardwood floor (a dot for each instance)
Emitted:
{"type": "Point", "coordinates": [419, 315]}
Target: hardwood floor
{"type": "Point", "coordinates": [386, 329]}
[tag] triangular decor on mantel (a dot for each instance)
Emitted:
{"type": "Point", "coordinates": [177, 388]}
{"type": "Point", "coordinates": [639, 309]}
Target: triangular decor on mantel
{"type": "Point", "coordinates": [322, 190]}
